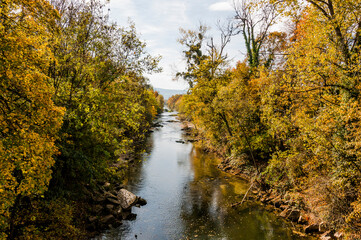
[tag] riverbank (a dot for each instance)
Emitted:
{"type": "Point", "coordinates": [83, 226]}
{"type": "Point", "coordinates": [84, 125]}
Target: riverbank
{"type": "Point", "coordinates": [291, 206]}
{"type": "Point", "coordinates": [106, 204]}
{"type": "Point", "coordinates": [189, 197]}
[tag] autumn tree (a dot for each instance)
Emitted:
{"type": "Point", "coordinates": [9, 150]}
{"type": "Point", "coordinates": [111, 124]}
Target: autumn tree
{"type": "Point", "coordinates": [254, 21]}
{"type": "Point", "coordinates": [174, 101]}
{"type": "Point", "coordinates": [315, 98]}
{"type": "Point", "coordinates": [29, 119]}
{"type": "Point", "coordinates": [193, 41]}
{"type": "Point", "coordinates": [98, 76]}
{"type": "Point", "coordinates": [292, 107]}
{"type": "Point", "coordinates": [73, 100]}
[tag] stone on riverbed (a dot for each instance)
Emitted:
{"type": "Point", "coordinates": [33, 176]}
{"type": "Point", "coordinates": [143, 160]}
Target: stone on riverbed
{"type": "Point", "coordinates": [127, 199]}
{"type": "Point", "coordinates": [114, 201]}
{"type": "Point", "coordinates": [109, 219]}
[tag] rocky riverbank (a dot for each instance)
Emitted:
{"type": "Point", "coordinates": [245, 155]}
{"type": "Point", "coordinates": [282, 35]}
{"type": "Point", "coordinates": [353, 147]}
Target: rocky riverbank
{"type": "Point", "coordinates": [293, 210]}
{"type": "Point", "coordinates": [109, 204]}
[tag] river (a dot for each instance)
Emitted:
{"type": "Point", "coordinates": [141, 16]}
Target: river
{"type": "Point", "coordinates": [189, 197]}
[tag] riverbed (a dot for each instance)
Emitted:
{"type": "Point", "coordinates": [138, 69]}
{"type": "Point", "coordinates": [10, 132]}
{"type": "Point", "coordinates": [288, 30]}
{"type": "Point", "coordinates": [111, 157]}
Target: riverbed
{"type": "Point", "coordinates": [189, 197]}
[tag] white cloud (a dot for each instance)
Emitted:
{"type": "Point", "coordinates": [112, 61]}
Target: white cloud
{"type": "Point", "coordinates": [165, 79]}
{"type": "Point", "coordinates": [221, 6]}
{"type": "Point", "coordinates": [158, 22]}
{"type": "Point", "coordinates": [124, 8]}
{"type": "Point", "coordinates": [151, 29]}
{"type": "Point", "coordinates": [171, 11]}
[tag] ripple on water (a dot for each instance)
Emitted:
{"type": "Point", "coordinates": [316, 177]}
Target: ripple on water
{"type": "Point", "coordinates": [190, 198]}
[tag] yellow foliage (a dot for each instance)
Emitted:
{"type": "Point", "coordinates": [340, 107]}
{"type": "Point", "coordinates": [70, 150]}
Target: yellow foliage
{"type": "Point", "coordinates": [29, 120]}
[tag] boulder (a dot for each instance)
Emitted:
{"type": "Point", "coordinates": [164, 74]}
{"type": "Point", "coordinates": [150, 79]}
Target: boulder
{"type": "Point", "coordinates": [141, 201]}
{"type": "Point", "coordinates": [127, 199]}
{"type": "Point", "coordinates": [109, 208]}
{"type": "Point", "coordinates": [114, 201]}
{"type": "Point", "coordinates": [92, 219]}
{"type": "Point", "coordinates": [97, 209]}
{"type": "Point", "coordinates": [106, 220]}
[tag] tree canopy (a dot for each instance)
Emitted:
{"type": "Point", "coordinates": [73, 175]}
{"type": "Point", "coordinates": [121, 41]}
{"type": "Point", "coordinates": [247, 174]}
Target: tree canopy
{"type": "Point", "coordinates": [290, 109]}
{"type": "Point", "coordinates": [73, 100]}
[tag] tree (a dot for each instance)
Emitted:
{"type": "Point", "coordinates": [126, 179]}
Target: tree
{"type": "Point", "coordinates": [29, 120]}
{"type": "Point", "coordinates": [193, 41]}
{"type": "Point", "coordinates": [98, 76]}
{"type": "Point", "coordinates": [315, 97]}
{"type": "Point", "coordinates": [254, 21]}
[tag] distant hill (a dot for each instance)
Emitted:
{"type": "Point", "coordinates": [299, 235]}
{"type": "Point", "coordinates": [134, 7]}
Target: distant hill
{"type": "Point", "coordinates": [167, 93]}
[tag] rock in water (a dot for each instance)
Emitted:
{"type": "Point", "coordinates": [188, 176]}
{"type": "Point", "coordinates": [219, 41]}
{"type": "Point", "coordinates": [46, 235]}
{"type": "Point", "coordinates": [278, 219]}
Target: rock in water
{"type": "Point", "coordinates": [127, 199]}
{"type": "Point", "coordinates": [142, 201]}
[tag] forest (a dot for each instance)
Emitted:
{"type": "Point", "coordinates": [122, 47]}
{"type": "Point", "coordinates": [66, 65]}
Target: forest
{"type": "Point", "coordinates": [76, 106]}
{"type": "Point", "coordinates": [74, 99]}
{"type": "Point", "coordinates": [289, 113]}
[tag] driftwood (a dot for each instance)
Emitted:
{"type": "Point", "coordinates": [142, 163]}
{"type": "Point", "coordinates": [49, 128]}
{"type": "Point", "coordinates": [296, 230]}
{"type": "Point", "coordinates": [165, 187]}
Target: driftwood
{"type": "Point", "coordinates": [244, 197]}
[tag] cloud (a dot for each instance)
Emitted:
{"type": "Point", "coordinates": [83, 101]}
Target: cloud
{"type": "Point", "coordinates": [221, 6]}
{"type": "Point", "coordinates": [151, 29]}
{"type": "Point", "coordinates": [164, 80]}
{"type": "Point", "coordinates": [125, 8]}
{"type": "Point", "coordinates": [174, 12]}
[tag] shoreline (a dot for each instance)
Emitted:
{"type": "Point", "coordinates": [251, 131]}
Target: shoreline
{"type": "Point", "coordinates": [305, 223]}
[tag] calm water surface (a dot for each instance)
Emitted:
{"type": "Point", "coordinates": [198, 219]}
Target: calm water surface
{"type": "Point", "coordinates": [189, 198]}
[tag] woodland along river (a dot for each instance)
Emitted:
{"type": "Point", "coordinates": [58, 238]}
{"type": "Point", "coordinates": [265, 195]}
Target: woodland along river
{"type": "Point", "coordinates": [189, 197]}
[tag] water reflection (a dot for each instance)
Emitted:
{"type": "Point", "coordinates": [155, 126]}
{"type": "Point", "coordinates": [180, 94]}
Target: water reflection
{"type": "Point", "coordinates": [189, 198]}
{"type": "Point", "coordinates": [207, 212]}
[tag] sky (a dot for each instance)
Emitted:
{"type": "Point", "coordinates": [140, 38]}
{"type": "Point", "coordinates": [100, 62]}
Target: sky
{"type": "Point", "coordinates": [158, 22]}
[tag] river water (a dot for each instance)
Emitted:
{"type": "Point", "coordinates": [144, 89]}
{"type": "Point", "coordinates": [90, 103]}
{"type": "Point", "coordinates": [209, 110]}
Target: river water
{"type": "Point", "coordinates": [189, 198]}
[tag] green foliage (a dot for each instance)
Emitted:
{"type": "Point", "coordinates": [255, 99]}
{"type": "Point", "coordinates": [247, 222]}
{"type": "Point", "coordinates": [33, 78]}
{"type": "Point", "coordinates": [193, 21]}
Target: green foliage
{"type": "Point", "coordinates": [98, 78]}
{"type": "Point", "coordinates": [193, 40]}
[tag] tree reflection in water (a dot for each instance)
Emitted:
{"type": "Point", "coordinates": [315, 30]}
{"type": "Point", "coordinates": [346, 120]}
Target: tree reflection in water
{"type": "Point", "coordinates": [207, 212]}
{"type": "Point", "coordinates": [190, 198]}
